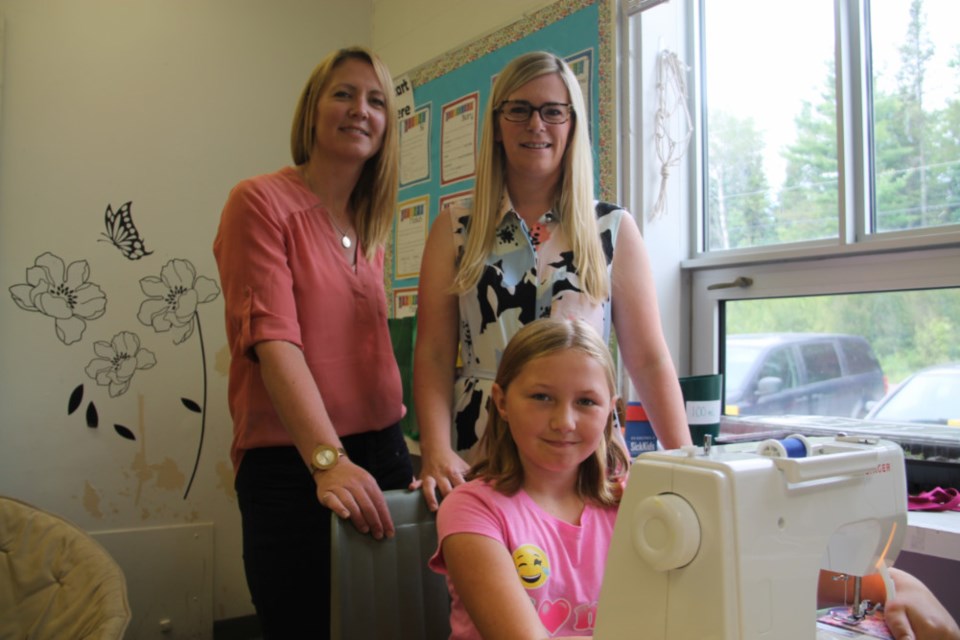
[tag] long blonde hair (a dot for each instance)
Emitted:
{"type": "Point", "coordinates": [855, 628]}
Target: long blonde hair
{"type": "Point", "coordinates": [499, 462]}
{"type": "Point", "coordinates": [375, 194]}
{"type": "Point", "coordinates": [574, 198]}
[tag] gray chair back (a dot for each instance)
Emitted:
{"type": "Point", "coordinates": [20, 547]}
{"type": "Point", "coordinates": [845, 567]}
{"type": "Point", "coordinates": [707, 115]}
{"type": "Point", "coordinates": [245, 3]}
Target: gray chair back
{"type": "Point", "coordinates": [383, 589]}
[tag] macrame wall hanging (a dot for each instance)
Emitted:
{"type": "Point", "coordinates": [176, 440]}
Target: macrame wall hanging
{"type": "Point", "coordinates": [671, 98]}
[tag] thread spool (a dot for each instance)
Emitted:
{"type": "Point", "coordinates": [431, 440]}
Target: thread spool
{"type": "Point", "coordinates": [795, 446]}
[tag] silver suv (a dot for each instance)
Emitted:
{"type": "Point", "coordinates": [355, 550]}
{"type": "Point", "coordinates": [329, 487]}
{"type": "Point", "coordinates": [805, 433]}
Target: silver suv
{"type": "Point", "coordinates": [801, 373]}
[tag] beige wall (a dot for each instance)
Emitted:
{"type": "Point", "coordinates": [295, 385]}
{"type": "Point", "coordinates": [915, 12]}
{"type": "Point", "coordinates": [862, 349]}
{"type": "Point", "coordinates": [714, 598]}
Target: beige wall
{"type": "Point", "coordinates": [409, 33]}
{"type": "Point", "coordinates": [166, 104]}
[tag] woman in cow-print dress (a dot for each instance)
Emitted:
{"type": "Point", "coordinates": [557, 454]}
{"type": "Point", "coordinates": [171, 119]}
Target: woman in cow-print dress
{"type": "Point", "coordinates": [531, 242]}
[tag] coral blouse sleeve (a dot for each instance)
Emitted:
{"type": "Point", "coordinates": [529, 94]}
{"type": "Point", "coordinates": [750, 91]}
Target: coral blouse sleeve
{"type": "Point", "coordinates": [251, 252]}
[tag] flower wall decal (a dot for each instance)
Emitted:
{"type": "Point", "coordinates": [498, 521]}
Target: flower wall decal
{"type": "Point", "coordinates": [62, 293]}
{"type": "Point", "coordinates": [171, 305]}
{"type": "Point", "coordinates": [65, 294]}
{"type": "Point", "coordinates": [172, 299]}
{"type": "Point", "coordinates": [118, 360]}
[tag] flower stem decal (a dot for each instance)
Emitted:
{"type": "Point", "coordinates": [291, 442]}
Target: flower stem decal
{"type": "Point", "coordinates": [190, 404]}
{"type": "Point", "coordinates": [171, 305]}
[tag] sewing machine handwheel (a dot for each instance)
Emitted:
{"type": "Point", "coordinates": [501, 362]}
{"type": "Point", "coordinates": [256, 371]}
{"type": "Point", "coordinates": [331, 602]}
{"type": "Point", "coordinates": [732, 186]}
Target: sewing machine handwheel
{"type": "Point", "coordinates": [666, 531]}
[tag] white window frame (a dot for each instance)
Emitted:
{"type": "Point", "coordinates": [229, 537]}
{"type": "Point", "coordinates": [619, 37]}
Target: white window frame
{"type": "Point", "coordinates": [919, 269]}
{"type": "Point", "coordinates": [690, 309]}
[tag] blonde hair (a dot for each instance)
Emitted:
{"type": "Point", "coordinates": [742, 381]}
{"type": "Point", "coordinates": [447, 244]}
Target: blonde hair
{"type": "Point", "coordinates": [375, 194]}
{"type": "Point", "coordinates": [574, 198]}
{"type": "Point", "coordinates": [599, 475]}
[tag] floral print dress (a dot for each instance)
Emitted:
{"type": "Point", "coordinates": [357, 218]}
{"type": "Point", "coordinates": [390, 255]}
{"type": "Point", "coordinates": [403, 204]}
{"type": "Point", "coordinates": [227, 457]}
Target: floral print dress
{"type": "Point", "coordinates": [529, 275]}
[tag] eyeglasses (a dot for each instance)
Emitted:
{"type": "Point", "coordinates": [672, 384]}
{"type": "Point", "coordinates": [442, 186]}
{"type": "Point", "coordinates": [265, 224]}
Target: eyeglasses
{"type": "Point", "coordinates": [521, 111]}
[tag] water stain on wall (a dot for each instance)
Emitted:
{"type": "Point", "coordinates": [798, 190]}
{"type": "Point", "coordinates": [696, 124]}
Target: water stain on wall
{"type": "Point", "coordinates": [226, 477]}
{"type": "Point", "coordinates": [222, 361]}
{"type": "Point", "coordinates": [91, 500]}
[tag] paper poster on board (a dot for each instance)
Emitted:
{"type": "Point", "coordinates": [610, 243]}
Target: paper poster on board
{"type": "Point", "coordinates": [415, 147]}
{"type": "Point", "coordinates": [404, 302]}
{"type": "Point", "coordinates": [458, 139]}
{"type": "Point", "coordinates": [462, 198]}
{"type": "Point", "coordinates": [411, 235]}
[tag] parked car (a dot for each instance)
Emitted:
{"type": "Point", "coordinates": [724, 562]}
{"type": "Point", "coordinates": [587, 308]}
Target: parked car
{"type": "Point", "coordinates": [931, 395]}
{"type": "Point", "coordinates": [801, 373]}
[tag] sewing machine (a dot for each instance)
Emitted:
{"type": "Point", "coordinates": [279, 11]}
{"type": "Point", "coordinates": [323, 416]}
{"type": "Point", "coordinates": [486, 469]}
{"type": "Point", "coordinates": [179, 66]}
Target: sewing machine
{"type": "Point", "coordinates": [725, 543]}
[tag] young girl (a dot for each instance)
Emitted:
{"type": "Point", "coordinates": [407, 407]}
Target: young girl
{"type": "Point", "coordinates": [524, 542]}
{"type": "Point", "coordinates": [533, 524]}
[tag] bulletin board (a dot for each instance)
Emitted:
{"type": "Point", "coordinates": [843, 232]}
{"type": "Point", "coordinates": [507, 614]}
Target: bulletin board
{"type": "Point", "coordinates": [439, 139]}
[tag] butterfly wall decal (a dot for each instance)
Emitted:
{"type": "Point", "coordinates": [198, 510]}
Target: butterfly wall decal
{"type": "Point", "coordinates": [122, 233]}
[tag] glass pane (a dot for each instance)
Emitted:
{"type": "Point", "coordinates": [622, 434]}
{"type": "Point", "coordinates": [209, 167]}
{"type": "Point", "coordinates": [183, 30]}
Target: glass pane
{"type": "Point", "coordinates": [875, 355]}
{"type": "Point", "coordinates": [915, 48]}
{"type": "Point", "coordinates": [771, 123]}
{"type": "Point", "coordinates": [931, 395]}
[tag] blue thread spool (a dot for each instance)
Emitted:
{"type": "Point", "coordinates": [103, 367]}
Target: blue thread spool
{"type": "Point", "coordinates": [795, 446]}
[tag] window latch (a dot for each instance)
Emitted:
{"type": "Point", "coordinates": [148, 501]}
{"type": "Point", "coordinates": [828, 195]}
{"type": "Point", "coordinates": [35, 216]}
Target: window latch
{"type": "Point", "coordinates": [742, 282]}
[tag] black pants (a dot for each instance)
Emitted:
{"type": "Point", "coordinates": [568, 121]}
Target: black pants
{"type": "Point", "coordinates": [286, 531]}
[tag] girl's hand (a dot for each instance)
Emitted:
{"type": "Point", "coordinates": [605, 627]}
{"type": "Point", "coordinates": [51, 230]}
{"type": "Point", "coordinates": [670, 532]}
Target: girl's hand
{"type": "Point", "coordinates": [915, 613]}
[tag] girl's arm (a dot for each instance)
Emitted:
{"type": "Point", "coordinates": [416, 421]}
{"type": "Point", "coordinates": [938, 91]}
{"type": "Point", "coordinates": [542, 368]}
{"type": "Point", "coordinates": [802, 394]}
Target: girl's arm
{"type": "Point", "coordinates": [434, 363]}
{"type": "Point", "coordinates": [916, 613]}
{"type": "Point", "coordinates": [636, 317]}
{"type": "Point", "coordinates": [485, 578]}
{"type": "Point", "coordinates": [913, 614]}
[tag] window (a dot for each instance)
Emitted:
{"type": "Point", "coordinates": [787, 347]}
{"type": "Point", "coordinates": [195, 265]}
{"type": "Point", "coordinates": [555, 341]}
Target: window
{"type": "Point", "coordinates": [884, 334]}
{"type": "Point", "coordinates": [820, 192]}
{"type": "Point", "coordinates": [784, 137]}
{"type": "Point", "coordinates": [821, 361]}
{"type": "Point", "coordinates": [771, 144]}
{"type": "Point", "coordinates": [914, 107]}
{"type": "Point", "coordinates": [860, 357]}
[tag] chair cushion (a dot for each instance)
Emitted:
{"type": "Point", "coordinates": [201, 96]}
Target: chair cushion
{"type": "Point", "coordinates": [55, 580]}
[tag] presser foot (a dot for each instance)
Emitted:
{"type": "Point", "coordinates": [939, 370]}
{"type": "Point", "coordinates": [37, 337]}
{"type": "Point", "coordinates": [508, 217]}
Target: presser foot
{"type": "Point", "coordinates": [859, 609]}
{"type": "Point", "coordinates": [864, 621]}
{"type": "Point", "coordinates": [854, 615]}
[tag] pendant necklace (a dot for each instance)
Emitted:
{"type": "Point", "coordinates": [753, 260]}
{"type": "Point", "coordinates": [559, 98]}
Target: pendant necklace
{"type": "Point", "coordinates": [345, 240]}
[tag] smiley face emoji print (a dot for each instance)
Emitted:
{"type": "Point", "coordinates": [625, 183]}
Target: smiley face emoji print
{"type": "Point", "coordinates": [532, 565]}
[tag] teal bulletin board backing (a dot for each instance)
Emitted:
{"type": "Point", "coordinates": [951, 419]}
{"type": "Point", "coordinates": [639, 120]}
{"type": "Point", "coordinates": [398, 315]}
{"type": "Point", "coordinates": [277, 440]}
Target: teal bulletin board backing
{"type": "Point", "coordinates": [580, 31]}
{"type": "Point", "coordinates": [458, 83]}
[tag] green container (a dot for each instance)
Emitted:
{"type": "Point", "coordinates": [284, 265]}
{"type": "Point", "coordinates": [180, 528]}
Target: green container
{"type": "Point", "coordinates": [702, 396]}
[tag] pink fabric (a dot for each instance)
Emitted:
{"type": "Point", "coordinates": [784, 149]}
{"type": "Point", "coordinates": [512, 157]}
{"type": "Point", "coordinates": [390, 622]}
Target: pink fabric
{"type": "Point", "coordinates": [284, 278]}
{"type": "Point", "coordinates": [573, 557]}
{"type": "Point", "coordinates": [938, 499]}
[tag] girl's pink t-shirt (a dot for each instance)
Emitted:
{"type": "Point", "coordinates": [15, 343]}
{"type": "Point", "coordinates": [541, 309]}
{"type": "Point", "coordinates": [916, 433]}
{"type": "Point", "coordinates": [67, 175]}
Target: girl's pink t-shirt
{"type": "Point", "coordinates": [560, 565]}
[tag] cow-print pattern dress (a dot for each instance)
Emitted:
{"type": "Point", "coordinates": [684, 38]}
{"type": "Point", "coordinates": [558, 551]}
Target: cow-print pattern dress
{"type": "Point", "coordinates": [529, 275]}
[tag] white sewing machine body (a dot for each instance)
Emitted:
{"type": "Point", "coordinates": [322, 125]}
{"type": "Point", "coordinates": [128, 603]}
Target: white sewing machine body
{"type": "Point", "coordinates": [728, 544]}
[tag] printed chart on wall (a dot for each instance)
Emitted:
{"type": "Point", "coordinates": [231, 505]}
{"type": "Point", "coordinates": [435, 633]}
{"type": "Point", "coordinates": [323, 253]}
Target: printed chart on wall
{"type": "Point", "coordinates": [441, 107]}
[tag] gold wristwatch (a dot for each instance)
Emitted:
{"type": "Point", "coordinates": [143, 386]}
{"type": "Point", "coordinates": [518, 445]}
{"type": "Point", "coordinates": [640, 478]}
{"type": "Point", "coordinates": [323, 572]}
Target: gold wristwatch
{"type": "Point", "coordinates": [325, 457]}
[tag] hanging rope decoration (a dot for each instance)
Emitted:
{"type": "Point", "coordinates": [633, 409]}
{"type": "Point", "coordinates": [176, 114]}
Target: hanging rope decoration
{"type": "Point", "coordinates": [672, 96]}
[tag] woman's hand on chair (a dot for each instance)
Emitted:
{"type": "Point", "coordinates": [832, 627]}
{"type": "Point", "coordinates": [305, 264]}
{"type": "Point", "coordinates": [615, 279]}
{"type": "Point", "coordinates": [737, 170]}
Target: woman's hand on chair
{"type": "Point", "coordinates": [352, 493]}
